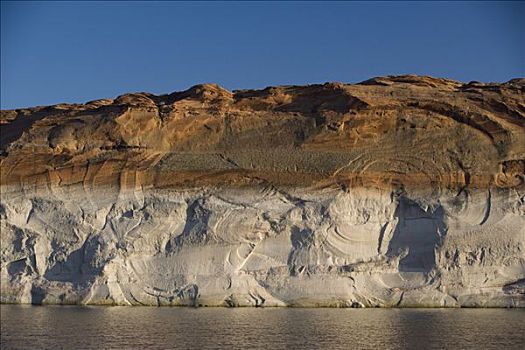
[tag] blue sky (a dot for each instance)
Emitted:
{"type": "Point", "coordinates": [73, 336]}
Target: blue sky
{"type": "Point", "coordinates": [54, 52]}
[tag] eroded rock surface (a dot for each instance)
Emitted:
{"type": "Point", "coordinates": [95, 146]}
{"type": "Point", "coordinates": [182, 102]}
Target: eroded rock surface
{"type": "Point", "coordinates": [398, 191]}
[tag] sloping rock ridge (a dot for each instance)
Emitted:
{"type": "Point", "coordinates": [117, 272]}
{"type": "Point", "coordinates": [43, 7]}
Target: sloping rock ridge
{"type": "Point", "coordinates": [400, 191]}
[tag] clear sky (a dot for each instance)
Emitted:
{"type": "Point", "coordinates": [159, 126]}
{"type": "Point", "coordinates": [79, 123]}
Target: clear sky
{"type": "Point", "coordinates": [54, 52]}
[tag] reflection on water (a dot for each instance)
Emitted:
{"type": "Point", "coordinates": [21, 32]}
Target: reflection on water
{"type": "Point", "coordinates": [67, 327]}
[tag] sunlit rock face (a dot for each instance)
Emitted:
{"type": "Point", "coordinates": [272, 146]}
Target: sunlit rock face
{"type": "Point", "coordinates": [399, 191]}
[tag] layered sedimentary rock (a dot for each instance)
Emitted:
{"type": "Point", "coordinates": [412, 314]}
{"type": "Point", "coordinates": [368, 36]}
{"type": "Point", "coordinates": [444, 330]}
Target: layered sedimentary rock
{"type": "Point", "coordinates": [398, 191]}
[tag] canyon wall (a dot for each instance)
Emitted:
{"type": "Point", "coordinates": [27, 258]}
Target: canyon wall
{"type": "Point", "coordinates": [400, 191]}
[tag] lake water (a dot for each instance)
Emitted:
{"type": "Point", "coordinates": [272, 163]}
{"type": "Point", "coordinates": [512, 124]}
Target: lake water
{"type": "Point", "coordinates": [68, 327]}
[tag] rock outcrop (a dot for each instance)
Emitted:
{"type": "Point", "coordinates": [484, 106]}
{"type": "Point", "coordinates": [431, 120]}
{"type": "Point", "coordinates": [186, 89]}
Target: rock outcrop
{"type": "Point", "coordinates": [397, 191]}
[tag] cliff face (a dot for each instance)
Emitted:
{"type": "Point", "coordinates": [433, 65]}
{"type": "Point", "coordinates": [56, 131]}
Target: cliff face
{"type": "Point", "coordinates": [398, 191]}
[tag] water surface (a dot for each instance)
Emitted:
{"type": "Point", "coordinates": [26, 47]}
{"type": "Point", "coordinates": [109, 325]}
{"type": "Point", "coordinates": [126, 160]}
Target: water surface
{"type": "Point", "coordinates": [68, 327]}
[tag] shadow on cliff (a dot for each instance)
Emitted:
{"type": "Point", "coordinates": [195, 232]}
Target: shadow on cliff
{"type": "Point", "coordinates": [301, 240]}
{"type": "Point", "coordinates": [417, 236]}
{"type": "Point", "coordinates": [13, 130]}
{"type": "Point", "coordinates": [80, 266]}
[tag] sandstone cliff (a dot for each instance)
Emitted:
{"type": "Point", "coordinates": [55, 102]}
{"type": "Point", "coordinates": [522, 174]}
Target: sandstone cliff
{"type": "Point", "coordinates": [397, 191]}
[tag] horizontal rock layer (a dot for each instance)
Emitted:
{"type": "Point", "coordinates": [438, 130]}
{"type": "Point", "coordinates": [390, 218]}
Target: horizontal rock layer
{"type": "Point", "coordinates": [398, 191]}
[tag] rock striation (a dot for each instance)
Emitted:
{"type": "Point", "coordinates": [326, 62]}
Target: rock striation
{"type": "Point", "coordinates": [402, 191]}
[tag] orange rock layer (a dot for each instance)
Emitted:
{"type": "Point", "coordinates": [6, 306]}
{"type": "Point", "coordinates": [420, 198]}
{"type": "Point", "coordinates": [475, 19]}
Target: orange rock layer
{"type": "Point", "coordinates": [402, 131]}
